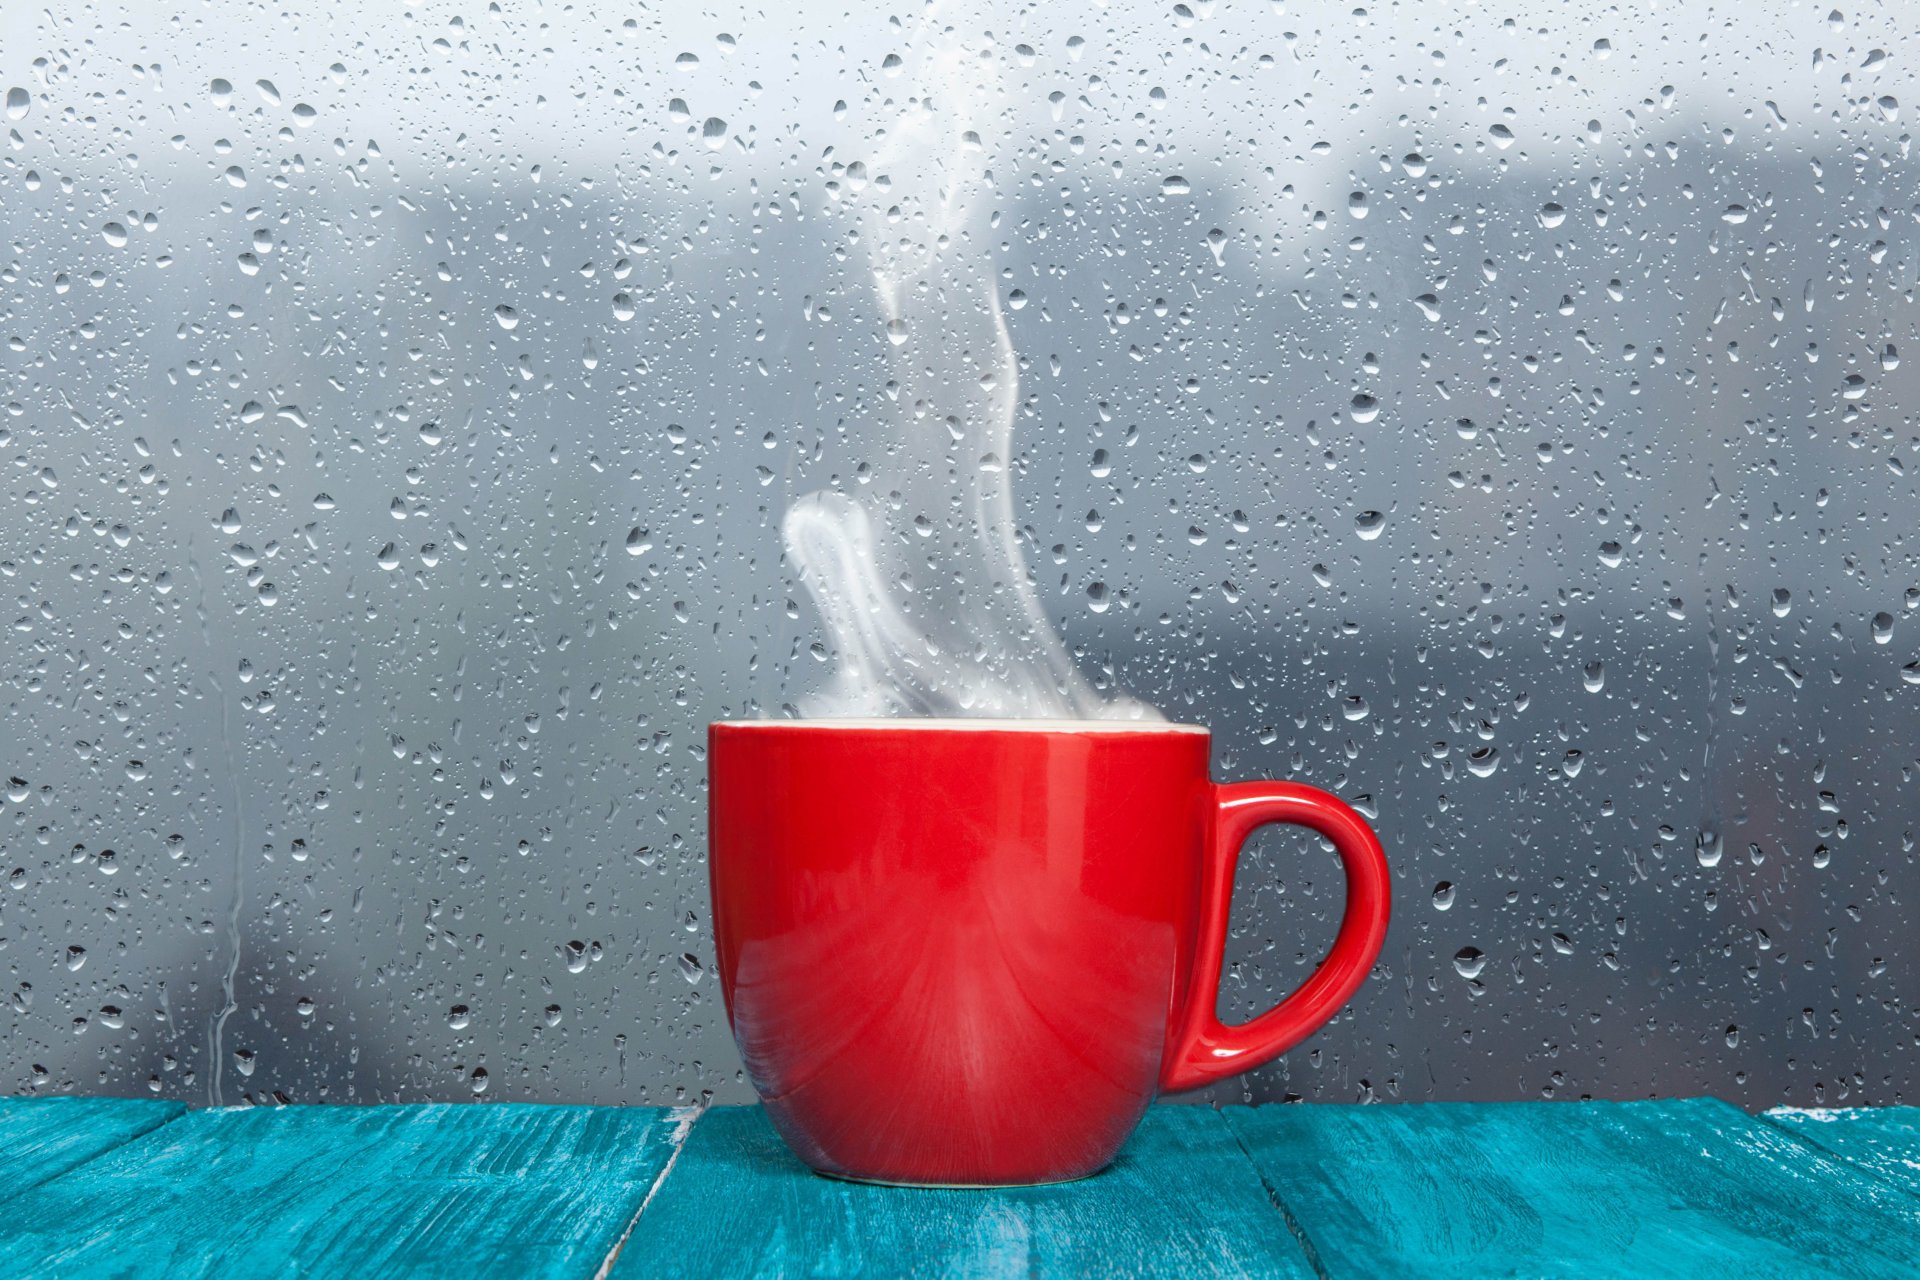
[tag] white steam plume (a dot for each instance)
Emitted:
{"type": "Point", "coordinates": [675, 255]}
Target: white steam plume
{"type": "Point", "coordinates": [923, 589]}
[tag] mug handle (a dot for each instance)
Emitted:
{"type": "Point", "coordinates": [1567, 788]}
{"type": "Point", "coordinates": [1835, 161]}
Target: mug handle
{"type": "Point", "coordinates": [1202, 1049]}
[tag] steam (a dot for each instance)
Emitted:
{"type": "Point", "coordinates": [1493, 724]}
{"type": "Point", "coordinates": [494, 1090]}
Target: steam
{"type": "Point", "coordinates": [922, 586]}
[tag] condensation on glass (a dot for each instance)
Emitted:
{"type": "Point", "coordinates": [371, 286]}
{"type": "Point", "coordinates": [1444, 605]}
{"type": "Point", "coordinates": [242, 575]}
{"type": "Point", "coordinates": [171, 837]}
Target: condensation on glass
{"type": "Point", "coordinates": [1495, 417]}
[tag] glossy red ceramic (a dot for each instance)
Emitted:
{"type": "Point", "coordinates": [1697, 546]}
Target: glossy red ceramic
{"type": "Point", "coordinates": [970, 952]}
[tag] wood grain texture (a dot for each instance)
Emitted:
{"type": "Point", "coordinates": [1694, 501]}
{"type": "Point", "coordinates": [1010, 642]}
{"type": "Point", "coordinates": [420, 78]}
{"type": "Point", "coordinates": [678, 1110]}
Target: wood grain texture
{"type": "Point", "coordinates": [1883, 1141]}
{"type": "Point", "coordinates": [101, 1187]}
{"type": "Point", "coordinates": [1180, 1201]}
{"type": "Point", "coordinates": [42, 1138]}
{"type": "Point", "coordinates": [446, 1190]}
{"type": "Point", "coordinates": [1692, 1189]}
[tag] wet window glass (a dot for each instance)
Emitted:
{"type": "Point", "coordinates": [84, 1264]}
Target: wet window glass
{"type": "Point", "coordinates": [420, 421]}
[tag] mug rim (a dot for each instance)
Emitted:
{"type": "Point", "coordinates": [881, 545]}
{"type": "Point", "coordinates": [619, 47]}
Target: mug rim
{"type": "Point", "coordinates": [962, 723]}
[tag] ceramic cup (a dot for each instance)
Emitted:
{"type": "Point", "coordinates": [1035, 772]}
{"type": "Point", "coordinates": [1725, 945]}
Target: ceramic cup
{"type": "Point", "coordinates": [972, 952]}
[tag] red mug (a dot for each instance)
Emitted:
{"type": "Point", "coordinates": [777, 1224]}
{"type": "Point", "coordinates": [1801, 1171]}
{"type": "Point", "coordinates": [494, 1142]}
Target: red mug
{"type": "Point", "coordinates": [971, 952]}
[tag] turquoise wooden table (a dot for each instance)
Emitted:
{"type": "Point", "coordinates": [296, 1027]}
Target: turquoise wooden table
{"type": "Point", "coordinates": [1695, 1189]}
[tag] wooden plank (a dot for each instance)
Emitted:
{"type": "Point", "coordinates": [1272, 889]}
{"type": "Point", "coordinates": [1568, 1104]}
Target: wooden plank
{"type": "Point", "coordinates": [1692, 1189]}
{"type": "Point", "coordinates": [1883, 1141]}
{"type": "Point", "coordinates": [461, 1190]}
{"type": "Point", "coordinates": [42, 1138]}
{"type": "Point", "coordinates": [1180, 1201]}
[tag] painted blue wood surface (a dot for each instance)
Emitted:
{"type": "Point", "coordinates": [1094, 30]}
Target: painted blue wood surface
{"type": "Point", "coordinates": [1692, 1189]}
{"type": "Point", "coordinates": [42, 1138]}
{"type": "Point", "coordinates": [1696, 1189]}
{"type": "Point", "coordinates": [1884, 1141]}
{"type": "Point", "coordinates": [462, 1190]}
{"type": "Point", "coordinates": [1182, 1200]}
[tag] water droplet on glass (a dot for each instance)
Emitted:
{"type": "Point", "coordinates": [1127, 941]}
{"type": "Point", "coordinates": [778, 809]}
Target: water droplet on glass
{"type": "Point", "coordinates": [1882, 628]}
{"type": "Point", "coordinates": [220, 91]}
{"type": "Point", "coordinates": [1782, 602]}
{"type": "Point", "coordinates": [1483, 761]}
{"type": "Point", "coordinates": [1369, 525]}
{"type": "Point", "coordinates": [1175, 185]}
{"type": "Point", "coordinates": [1357, 204]}
{"type": "Point", "coordinates": [1443, 895]}
{"type": "Point", "coordinates": [19, 102]}
{"type": "Point", "coordinates": [896, 331]}
{"type": "Point", "coordinates": [1364, 408]}
{"type": "Point", "coordinates": [1502, 136]}
{"type": "Point", "coordinates": [387, 557]}
{"type": "Point", "coordinates": [638, 544]}
{"type": "Point", "coordinates": [1469, 961]}
{"type": "Point", "coordinates": [506, 315]}
{"type": "Point", "coordinates": [1552, 215]}
{"type": "Point", "coordinates": [1097, 597]}
{"type": "Point", "coordinates": [114, 234]}
{"type": "Point", "coordinates": [1594, 677]}
{"type": "Point", "coordinates": [459, 1017]}
{"type": "Point", "coordinates": [714, 133]}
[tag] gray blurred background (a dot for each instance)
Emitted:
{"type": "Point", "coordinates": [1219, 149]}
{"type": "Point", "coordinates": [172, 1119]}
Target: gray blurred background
{"type": "Point", "coordinates": [1497, 417]}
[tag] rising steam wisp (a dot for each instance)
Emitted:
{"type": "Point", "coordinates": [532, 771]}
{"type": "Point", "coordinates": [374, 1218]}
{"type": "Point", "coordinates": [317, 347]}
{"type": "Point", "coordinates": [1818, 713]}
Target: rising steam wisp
{"type": "Point", "coordinates": [925, 594]}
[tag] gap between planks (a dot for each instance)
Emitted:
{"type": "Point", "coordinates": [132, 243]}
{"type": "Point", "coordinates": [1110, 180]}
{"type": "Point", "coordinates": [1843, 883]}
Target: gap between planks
{"type": "Point", "coordinates": [683, 1122]}
{"type": "Point", "coordinates": [1285, 1210]}
{"type": "Point", "coordinates": [128, 1140]}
